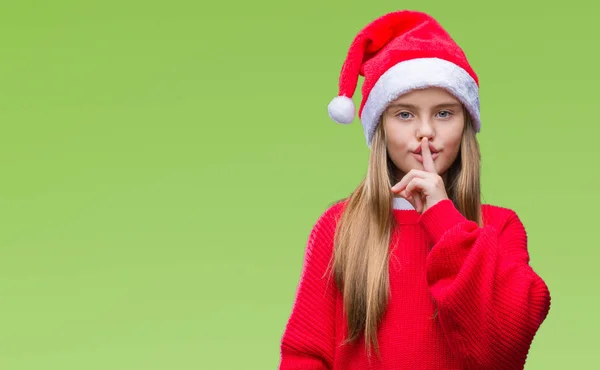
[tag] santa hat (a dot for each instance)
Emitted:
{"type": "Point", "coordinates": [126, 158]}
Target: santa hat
{"type": "Point", "coordinates": [397, 53]}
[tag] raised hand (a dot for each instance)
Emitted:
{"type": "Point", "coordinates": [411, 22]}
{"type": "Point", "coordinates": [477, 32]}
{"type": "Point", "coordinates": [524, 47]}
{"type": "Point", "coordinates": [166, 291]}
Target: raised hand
{"type": "Point", "coordinates": [421, 188]}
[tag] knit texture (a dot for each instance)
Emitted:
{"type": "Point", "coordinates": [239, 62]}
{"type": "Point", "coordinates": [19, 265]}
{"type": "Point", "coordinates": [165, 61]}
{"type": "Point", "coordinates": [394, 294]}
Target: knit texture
{"type": "Point", "coordinates": [489, 301]}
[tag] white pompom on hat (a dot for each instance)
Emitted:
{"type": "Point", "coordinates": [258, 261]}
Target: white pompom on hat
{"type": "Point", "coordinates": [342, 110]}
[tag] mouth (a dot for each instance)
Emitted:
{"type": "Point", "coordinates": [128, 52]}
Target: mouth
{"type": "Point", "coordinates": [419, 157]}
{"type": "Point", "coordinates": [419, 149]}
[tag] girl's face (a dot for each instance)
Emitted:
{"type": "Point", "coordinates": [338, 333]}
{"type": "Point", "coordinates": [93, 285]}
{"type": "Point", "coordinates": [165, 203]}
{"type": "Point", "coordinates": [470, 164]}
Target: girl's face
{"type": "Point", "coordinates": [433, 113]}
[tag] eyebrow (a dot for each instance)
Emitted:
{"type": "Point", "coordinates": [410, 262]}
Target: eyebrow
{"type": "Point", "coordinates": [411, 106]}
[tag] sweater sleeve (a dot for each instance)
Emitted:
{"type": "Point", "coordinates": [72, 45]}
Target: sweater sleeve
{"type": "Point", "coordinates": [490, 301]}
{"type": "Point", "coordinates": [309, 336]}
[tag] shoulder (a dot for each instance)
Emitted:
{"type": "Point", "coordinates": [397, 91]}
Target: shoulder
{"type": "Point", "coordinates": [332, 212]}
{"type": "Point", "coordinates": [336, 208]}
{"type": "Point", "coordinates": [511, 232]}
{"type": "Point", "coordinates": [327, 220]}
{"type": "Point", "coordinates": [499, 216]}
{"type": "Point", "coordinates": [495, 209]}
{"type": "Point", "coordinates": [320, 243]}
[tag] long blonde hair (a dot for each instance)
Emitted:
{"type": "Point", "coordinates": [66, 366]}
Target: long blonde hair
{"type": "Point", "coordinates": [362, 237]}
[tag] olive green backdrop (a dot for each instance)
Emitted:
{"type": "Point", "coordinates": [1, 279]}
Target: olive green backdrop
{"type": "Point", "coordinates": [162, 164]}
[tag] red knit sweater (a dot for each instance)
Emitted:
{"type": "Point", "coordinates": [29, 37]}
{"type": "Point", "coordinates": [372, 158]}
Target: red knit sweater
{"type": "Point", "coordinates": [490, 301]}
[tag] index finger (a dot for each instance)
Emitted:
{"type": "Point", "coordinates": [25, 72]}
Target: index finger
{"type": "Point", "coordinates": [427, 157]}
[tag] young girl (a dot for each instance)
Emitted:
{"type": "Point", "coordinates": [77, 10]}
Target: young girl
{"type": "Point", "coordinates": [412, 271]}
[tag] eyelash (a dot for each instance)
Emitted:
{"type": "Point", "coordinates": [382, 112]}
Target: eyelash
{"type": "Point", "coordinates": [450, 114]}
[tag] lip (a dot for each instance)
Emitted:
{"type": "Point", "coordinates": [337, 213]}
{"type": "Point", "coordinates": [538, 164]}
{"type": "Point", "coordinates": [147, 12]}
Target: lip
{"type": "Point", "coordinates": [420, 157]}
{"type": "Point", "coordinates": [432, 149]}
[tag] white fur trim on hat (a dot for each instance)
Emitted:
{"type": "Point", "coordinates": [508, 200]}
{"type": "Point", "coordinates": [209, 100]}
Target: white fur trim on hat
{"type": "Point", "coordinates": [416, 74]}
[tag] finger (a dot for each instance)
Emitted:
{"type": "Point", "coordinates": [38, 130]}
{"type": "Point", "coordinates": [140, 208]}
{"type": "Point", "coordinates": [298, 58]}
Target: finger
{"type": "Point", "coordinates": [414, 186]}
{"type": "Point", "coordinates": [427, 157]}
{"type": "Point", "coordinates": [413, 201]}
{"type": "Point", "coordinates": [414, 190]}
{"type": "Point", "coordinates": [401, 185]}
{"type": "Point", "coordinates": [419, 202]}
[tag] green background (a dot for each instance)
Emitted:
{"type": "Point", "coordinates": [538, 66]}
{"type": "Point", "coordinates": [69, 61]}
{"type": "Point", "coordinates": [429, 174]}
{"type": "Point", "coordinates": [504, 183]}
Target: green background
{"type": "Point", "coordinates": [163, 163]}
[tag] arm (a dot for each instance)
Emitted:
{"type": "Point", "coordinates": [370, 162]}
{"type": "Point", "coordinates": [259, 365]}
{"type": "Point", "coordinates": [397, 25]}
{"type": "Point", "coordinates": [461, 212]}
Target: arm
{"type": "Point", "coordinates": [490, 301]}
{"type": "Point", "coordinates": [309, 336]}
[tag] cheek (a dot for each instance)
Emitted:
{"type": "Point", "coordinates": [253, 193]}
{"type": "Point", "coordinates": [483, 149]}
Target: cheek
{"type": "Point", "coordinates": [452, 149]}
{"type": "Point", "coordinates": [399, 154]}
{"type": "Point", "coordinates": [397, 138]}
{"type": "Point", "coordinates": [455, 143]}
{"type": "Point", "coordinates": [396, 145]}
{"type": "Point", "coordinates": [397, 148]}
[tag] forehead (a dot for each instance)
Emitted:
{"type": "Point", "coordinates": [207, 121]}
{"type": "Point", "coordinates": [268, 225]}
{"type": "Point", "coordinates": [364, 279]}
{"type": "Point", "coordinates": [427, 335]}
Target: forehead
{"type": "Point", "coordinates": [427, 96]}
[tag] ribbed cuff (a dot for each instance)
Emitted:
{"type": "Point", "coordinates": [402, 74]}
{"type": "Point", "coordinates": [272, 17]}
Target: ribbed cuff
{"type": "Point", "coordinates": [440, 218]}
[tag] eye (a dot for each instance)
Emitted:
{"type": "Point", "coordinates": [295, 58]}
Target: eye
{"type": "Point", "coordinates": [403, 115]}
{"type": "Point", "coordinates": [445, 114]}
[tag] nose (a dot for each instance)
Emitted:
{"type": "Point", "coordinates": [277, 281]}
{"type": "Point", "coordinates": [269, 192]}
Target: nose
{"type": "Point", "coordinates": [425, 129]}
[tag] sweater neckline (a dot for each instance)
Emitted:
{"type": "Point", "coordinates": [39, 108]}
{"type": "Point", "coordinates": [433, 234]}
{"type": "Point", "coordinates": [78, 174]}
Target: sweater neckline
{"type": "Point", "coordinates": [405, 212]}
{"type": "Point", "coordinates": [402, 204]}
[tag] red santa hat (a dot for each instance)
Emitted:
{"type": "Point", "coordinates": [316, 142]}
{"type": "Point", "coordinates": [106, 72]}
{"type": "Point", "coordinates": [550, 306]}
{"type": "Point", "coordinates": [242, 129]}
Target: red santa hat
{"type": "Point", "coordinates": [397, 53]}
